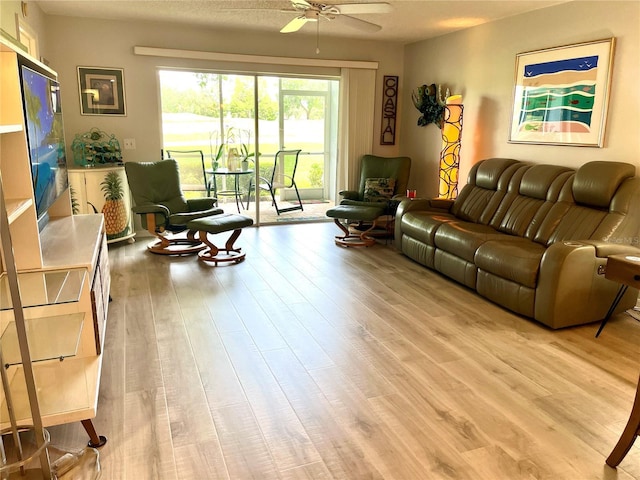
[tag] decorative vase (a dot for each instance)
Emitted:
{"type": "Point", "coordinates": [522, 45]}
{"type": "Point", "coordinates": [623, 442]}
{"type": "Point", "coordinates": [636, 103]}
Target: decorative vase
{"type": "Point", "coordinates": [232, 160]}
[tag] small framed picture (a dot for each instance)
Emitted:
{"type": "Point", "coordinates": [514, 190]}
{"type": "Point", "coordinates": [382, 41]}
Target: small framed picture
{"type": "Point", "coordinates": [561, 94]}
{"type": "Point", "coordinates": [101, 91]}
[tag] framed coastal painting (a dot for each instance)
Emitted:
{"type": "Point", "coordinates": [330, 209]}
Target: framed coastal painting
{"type": "Point", "coordinates": [101, 91]}
{"type": "Point", "coordinates": [561, 94]}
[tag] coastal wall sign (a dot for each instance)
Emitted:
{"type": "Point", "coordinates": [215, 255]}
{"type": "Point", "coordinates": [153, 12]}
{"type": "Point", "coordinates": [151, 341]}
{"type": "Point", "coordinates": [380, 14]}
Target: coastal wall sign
{"type": "Point", "coordinates": [389, 110]}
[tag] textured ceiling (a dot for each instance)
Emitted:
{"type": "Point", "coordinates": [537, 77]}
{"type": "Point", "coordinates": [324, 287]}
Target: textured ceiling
{"type": "Point", "coordinates": [409, 21]}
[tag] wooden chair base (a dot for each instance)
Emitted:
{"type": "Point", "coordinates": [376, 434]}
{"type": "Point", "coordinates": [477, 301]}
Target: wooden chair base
{"type": "Point", "coordinates": [221, 255]}
{"type": "Point", "coordinates": [629, 434]}
{"type": "Point", "coordinates": [354, 238]}
{"type": "Point", "coordinates": [176, 244]}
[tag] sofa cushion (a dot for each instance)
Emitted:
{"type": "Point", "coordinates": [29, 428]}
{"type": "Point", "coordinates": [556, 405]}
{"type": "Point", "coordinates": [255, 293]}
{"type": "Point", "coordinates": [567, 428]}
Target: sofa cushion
{"type": "Point", "coordinates": [595, 183]}
{"type": "Point", "coordinates": [544, 181]}
{"type": "Point", "coordinates": [488, 183]}
{"type": "Point", "coordinates": [423, 225]}
{"type": "Point", "coordinates": [539, 188]}
{"type": "Point", "coordinates": [464, 238]}
{"type": "Point", "coordinates": [517, 259]}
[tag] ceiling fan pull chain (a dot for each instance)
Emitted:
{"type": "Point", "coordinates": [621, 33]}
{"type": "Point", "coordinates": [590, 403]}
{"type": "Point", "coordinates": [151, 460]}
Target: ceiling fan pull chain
{"type": "Point", "coordinates": [318, 37]}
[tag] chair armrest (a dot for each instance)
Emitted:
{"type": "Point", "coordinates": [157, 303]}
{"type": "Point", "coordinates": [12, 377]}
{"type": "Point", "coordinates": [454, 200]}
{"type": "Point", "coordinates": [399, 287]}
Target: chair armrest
{"type": "Point", "coordinates": [153, 208]}
{"type": "Point", "coordinates": [350, 195]}
{"type": "Point", "coordinates": [199, 204]}
{"type": "Point", "coordinates": [186, 217]}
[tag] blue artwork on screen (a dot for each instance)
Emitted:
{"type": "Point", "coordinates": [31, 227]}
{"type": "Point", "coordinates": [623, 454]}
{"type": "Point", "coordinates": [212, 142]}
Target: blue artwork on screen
{"type": "Point", "coordinates": [45, 135]}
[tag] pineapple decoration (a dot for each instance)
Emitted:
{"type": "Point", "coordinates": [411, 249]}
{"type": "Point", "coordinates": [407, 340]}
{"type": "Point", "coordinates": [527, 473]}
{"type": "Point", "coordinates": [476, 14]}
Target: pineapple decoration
{"type": "Point", "coordinates": [114, 210]}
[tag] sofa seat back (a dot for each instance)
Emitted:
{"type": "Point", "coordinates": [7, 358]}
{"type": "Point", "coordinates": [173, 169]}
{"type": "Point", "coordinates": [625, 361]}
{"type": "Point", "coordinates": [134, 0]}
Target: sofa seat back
{"type": "Point", "coordinates": [486, 187]}
{"type": "Point", "coordinates": [598, 206]}
{"type": "Point", "coordinates": [523, 210]}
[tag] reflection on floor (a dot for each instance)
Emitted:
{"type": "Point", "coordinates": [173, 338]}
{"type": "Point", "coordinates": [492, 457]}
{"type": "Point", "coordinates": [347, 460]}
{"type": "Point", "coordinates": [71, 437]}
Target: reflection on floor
{"type": "Point", "coordinates": [313, 211]}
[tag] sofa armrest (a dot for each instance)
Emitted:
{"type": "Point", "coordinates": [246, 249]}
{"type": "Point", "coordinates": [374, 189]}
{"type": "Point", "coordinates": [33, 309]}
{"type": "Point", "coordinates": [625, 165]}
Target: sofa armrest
{"type": "Point", "coordinates": [431, 204]}
{"type": "Point", "coordinates": [605, 249]}
{"type": "Point", "coordinates": [443, 204]}
{"type": "Point", "coordinates": [571, 284]}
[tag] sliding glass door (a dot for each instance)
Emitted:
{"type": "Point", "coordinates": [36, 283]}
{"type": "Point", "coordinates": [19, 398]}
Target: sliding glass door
{"type": "Point", "coordinates": [230, 117]}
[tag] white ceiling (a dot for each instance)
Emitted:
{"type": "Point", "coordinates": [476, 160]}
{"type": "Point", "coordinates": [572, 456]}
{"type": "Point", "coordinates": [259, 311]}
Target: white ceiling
{"type": "Point", "coordinates": [410, 20]}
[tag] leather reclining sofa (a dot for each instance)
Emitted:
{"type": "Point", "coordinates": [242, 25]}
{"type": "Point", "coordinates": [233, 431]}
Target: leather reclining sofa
{"type": "Point", "coordinates": [533, 238]}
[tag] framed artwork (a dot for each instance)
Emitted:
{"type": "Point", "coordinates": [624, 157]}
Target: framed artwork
{"type": "Point", "coordinates": [561, 94]}
{"type": "Point", "coordinates": [101, 91]}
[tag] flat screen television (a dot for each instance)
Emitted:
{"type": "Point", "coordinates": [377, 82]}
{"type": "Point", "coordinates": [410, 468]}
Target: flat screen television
{"type": "Point", "coordinates": [45, 136]}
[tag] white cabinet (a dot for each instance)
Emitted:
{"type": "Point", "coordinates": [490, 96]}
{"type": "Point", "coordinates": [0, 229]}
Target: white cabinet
{"type": "Point", "coordinates": [104, 189]}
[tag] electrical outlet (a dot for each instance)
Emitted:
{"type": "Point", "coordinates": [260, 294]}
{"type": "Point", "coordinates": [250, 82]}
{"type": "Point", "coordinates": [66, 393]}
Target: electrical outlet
{"type": "Point", "coordinates": [129, 143]}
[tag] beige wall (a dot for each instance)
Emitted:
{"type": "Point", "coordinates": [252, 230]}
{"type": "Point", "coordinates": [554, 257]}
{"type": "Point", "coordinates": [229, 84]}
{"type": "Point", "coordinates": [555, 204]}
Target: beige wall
{"type": "Point", "coordinates": [479, 63]}
{"type": "Point", "coordinates": [85, 42]}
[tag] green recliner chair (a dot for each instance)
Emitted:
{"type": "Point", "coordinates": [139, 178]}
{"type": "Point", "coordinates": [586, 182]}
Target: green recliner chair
{"type": "Point", "coordinates": [373, 171]}
{"type": "Point", "coordinates": [381, 179]}
{"type": "Point", "coordinates": [165, 212]}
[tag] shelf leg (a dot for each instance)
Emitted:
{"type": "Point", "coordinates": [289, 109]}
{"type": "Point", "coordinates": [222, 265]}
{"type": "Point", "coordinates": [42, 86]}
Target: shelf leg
{"type": "Point", "coordinates": [95, 440]}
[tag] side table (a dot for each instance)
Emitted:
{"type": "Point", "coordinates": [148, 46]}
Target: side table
{"type": "Point", "coordinates": [624, 269]}
{"type": "Point", "coordinates": [236, 192]}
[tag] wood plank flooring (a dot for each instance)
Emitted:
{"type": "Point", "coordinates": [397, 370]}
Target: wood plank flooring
{"type": "Point", "coordinates": [311, 361]}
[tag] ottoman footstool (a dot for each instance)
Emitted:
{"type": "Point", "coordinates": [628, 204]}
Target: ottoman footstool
{"type": "Point", "coordinates": [357, 213]}
{"type": "Point", "coordinates": [218, 224]}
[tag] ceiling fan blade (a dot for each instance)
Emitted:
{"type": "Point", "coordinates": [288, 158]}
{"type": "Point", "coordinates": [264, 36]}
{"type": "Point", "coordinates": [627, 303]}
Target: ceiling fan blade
{"type": "Point", "coordinates": [359, 24]}
{"type": "Point", "coordinates": [360, 8]}
{"type": "Point", "coordinates": [294, 25]}
{"type": "Point", "coordinates": [300, 4]}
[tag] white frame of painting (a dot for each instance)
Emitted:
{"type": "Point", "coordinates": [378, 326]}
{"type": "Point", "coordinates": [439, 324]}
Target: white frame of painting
{"type": "Point", "coordinates": [570, 60]}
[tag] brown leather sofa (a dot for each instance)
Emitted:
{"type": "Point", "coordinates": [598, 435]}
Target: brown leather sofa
{"type": "Point", "coordinates": [533, 238]}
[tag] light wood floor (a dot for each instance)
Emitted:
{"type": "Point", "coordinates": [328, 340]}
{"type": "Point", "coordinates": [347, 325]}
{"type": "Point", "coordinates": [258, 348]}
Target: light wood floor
{"type": "Point", "coordinates": [310, 361]}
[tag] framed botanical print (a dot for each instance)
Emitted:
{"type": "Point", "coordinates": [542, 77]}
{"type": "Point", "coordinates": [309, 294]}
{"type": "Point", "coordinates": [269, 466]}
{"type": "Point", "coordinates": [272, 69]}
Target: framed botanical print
{"type": "Point", "coordinates": [101, 91]}
{"type": "Point", "coordinates": [561, 94]}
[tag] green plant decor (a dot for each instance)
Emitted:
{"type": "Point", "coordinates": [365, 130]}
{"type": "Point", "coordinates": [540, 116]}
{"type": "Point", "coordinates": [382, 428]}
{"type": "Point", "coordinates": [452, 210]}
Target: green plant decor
{"type": "Point", "coordinates": [428, 100]}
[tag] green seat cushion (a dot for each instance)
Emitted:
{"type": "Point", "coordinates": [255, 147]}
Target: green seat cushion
{"type": "Point", "coordinates": [356, 212]}
{"type": "Point", "coordinates": [220, 223]}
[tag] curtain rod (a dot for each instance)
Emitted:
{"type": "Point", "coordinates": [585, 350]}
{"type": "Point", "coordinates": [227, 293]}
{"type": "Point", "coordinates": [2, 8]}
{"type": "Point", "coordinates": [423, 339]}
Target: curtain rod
{"type": "Point", "coordinates": [237, 57]}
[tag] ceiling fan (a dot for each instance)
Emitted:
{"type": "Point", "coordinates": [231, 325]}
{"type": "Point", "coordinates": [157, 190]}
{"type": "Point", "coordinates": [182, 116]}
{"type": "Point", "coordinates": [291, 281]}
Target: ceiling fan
{"type": "Point", "coordinates": [312, 12]}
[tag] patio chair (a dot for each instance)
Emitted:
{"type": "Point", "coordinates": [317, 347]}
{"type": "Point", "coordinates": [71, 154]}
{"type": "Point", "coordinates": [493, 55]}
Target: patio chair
{"type": "Point", "coordinates": [186, 155]}
{"type": "Point", "coordinates": [282, 175]}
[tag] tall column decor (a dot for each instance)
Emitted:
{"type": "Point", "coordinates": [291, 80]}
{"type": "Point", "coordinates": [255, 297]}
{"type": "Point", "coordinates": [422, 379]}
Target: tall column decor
{"type": "Point", "coordinates": [450, 154]}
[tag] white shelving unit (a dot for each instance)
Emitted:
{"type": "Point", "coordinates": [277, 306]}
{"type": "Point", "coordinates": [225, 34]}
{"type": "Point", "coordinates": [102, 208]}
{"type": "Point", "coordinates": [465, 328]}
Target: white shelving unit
{"type": "Point", "coordinates": [62, 272]}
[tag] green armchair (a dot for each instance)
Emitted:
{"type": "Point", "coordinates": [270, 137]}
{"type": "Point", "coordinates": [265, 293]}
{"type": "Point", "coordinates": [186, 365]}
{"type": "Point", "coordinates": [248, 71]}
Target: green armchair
{"type": "Point", "coordinates": [396, 169]}
{"type": "Point", "coordinates": [165, 212]}
{"type": "Point", "coordinates": [381, 179]}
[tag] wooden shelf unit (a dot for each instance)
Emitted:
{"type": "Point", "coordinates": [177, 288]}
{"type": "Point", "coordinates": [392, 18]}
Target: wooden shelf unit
{"type": "Point", "coordinates": [63, 273]}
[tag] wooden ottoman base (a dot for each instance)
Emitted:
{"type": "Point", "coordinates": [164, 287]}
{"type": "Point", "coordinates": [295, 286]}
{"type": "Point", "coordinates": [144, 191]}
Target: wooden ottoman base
{"type": "Point", "coordinates": [350, 213]}
{"type": "Point", "coordinates": [219, 224]}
